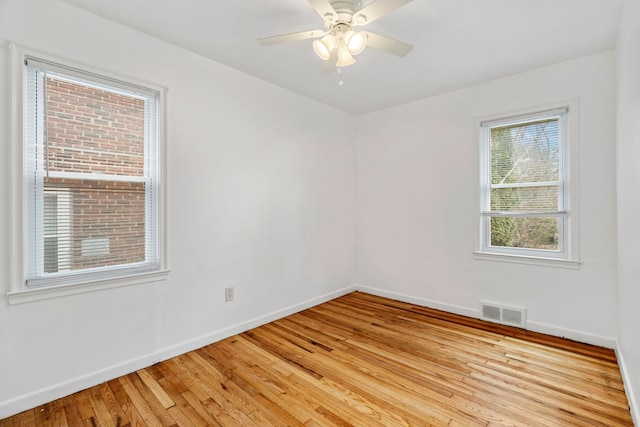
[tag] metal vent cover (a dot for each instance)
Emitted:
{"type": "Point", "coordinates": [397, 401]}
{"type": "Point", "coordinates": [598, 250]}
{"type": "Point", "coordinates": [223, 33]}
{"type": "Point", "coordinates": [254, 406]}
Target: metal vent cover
{"type": "Point", "coordinates": [491, 312]}
{"type": "Point", "coordinates": [514, 316]}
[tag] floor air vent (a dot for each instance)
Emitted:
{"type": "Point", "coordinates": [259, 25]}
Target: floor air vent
{"type": "Point", "coordinates": [505, 315]}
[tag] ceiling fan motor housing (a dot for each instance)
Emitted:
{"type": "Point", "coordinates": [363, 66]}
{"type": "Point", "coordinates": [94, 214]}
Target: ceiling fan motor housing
{"type": "Point", "coordinates": [345, 9]}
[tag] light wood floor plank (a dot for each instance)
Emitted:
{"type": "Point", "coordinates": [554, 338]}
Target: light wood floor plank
{"type": "Point", "coordinates": [361, 360]}
{"type": "Point", "coordinates": [157, 391]}
{"type": "Point", "coordinates": [141, 406]}
{"type": "Point", "coordinates": [99, 407]}
{"type": "Point", "coordinates": [124, 401]}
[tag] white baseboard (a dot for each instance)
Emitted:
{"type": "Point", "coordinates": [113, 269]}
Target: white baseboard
{"type": "Point", "coordinates": [423, 302]}
{"type": "Point", "coordinates": [571, 334]}
{"type": "Point", "coordinates": [628, 388]}
{"type": "Point", "coordinates": [39, 397]}
{"type": "Point", "coordinates": [472, 312]}
{"type": "Point", "coordinates": [48, 394]}
{"type": "Point", "coordinates": [204, 340]}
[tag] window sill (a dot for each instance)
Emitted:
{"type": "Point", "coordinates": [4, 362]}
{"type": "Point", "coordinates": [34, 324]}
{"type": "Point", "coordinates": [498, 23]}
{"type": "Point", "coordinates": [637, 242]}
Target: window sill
{"type": "Point", "coordinates": [38, 294]}
{"type": "Point", "coordinates": [528, 260]}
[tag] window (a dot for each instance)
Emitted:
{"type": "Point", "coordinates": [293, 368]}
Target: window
{"type": "Point", "coordinates": [525, 192]}
{"type": "Point", "coordinates": [91, 176]}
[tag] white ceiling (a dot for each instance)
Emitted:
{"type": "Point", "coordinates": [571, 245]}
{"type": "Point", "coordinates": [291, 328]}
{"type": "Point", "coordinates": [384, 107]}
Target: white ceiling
{"type": "Point", "coordinates": [456, 42]}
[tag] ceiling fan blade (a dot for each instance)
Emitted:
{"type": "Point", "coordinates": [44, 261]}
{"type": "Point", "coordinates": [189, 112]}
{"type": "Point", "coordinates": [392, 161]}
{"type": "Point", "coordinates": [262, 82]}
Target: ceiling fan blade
{"type": "Point", "coordinates": [291, 37]}
{"type": "Point", "coordinates": [378, 8]}
{"type": "Point", "coordinates": [323, 7]}
{"type": "Point", "coordinates": [331, 63]}
{"type": "Point", "coordinates": [386, 44]}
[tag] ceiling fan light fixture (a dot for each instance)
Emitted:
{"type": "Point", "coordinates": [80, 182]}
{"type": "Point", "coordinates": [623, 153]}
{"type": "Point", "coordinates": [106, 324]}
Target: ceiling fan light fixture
{"type": "Point", "coordinates": [339, 41]}
{"type": "Point", "coordinates": [356, 41]}
{"type": "Point", "coordinates": [324, 46]}
{"type": "Point", "coordinates": [344, 57]}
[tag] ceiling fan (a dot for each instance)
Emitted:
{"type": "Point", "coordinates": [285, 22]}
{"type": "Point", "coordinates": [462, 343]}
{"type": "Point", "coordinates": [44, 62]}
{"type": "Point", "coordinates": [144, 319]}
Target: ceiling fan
{"type": "Point", "coordinates": [339, 42]}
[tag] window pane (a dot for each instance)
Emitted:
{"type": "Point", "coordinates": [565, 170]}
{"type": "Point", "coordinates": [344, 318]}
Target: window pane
{"type": "Point", "coordinates": [525, 199]}
{"type": "Point", "coordinates": [525, 152]}
{"type": "Point", "coordinates": [529, 233]}
{"type": "Point", "coordinates": [106, 223]}
{"type": "Point", "coordinates": [90, 130]}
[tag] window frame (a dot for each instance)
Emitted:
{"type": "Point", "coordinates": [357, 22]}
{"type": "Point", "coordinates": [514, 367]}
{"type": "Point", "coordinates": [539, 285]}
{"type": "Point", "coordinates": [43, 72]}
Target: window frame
{"type": "Point", "coordinates": [567, 255]}
{"type": "Point", "coordinates": [77, 282]}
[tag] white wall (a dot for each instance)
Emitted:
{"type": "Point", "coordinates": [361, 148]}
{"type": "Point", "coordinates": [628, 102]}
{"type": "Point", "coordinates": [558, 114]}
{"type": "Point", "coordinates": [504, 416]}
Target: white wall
{"type": "Point", "coordinates": [417, 203]}
{"type": "Point", "coordinates": [261, 196]}
{"type": "Point", "coordinates": [629, 201]}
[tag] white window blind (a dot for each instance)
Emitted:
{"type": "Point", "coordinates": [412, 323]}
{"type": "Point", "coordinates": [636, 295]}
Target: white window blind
{"type": "Point", "coordinates": [90, 176]}
{"type": "Point", "coordinates": [525, 192]}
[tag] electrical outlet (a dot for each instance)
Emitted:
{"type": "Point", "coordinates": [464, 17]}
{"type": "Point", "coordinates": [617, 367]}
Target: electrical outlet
{"type": "Point", "coordinates": [228, 294]}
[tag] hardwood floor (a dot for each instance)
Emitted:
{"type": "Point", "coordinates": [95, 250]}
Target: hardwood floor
{"type": "Point", "coordinates": [361, 360]}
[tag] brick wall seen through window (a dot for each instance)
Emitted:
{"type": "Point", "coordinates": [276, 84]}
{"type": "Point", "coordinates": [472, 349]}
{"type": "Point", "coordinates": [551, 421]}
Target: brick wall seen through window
{"type": "Point", "coordinates": [94, 131]}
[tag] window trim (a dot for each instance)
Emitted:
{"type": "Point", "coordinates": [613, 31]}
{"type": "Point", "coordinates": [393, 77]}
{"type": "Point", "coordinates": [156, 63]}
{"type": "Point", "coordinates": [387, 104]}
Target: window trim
{"type": "Point", "coordinates": [570, 256]}
{"type": "Point", "coordinates": [18, 291]}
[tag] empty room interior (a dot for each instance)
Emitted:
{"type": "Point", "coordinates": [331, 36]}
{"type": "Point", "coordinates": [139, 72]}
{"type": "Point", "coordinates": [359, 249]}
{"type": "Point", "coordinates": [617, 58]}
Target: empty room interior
{"type": "Point", "coordinates": [321, 212]}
